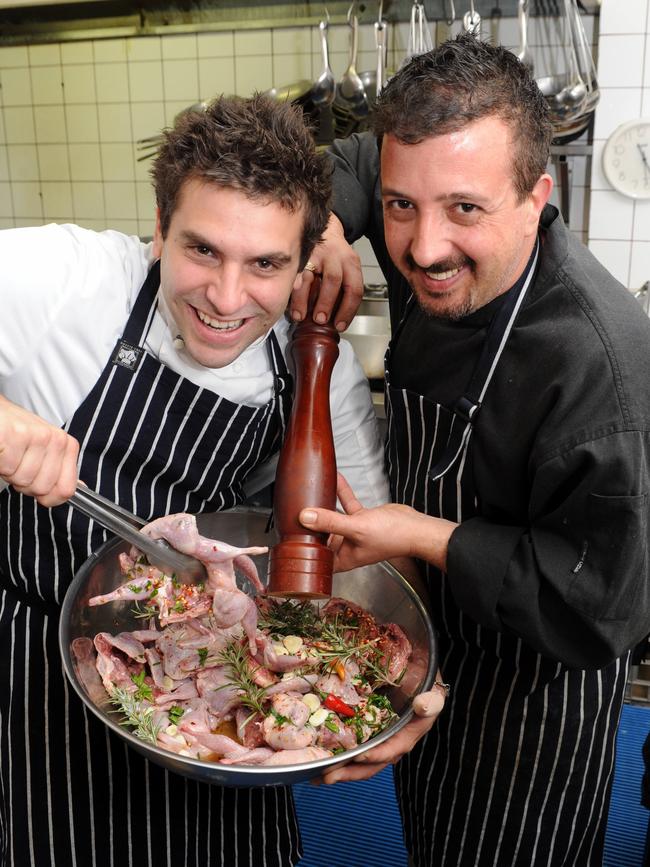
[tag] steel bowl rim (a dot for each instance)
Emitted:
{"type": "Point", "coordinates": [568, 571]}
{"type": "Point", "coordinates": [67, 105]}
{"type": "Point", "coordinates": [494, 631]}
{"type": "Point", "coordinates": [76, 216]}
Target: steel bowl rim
{"type": "Point", "coordinates": [256, 772]}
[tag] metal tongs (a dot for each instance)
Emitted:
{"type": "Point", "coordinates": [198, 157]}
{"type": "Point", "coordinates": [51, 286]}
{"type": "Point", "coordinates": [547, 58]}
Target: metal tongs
{"type": "Point", "coordinates": [127, 526]}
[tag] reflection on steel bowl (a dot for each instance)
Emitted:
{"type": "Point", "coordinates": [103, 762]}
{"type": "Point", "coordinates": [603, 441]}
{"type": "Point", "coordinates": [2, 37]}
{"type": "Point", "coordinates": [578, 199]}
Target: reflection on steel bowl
{"type": "Point", "coordinates": [380, 589]}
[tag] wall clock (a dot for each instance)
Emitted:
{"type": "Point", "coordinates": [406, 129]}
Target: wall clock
{"type": "Point", "coordinates": [626, 159]}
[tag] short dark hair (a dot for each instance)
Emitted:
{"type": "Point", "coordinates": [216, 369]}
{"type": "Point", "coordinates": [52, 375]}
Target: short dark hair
{"type": "Point", "coordinates": [463, 80]}
{"type": "Point", "coordinates": [257, 145]}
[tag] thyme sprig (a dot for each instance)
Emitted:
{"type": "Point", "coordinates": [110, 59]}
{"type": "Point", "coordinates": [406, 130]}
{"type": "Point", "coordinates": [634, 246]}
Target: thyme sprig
{"type": "Point", "coordinates": [286, 617]}
{"type": "Point", "coordinates": [135, 714]}
{"type": "Point", "coordinates": [234, 658]}
{"type": "Point", "coordinates": [335, 646]}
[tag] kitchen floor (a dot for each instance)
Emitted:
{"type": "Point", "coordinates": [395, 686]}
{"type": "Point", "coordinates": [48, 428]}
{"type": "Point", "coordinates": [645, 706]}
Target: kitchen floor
{"type": "Point", "coordinates": [358, 825]}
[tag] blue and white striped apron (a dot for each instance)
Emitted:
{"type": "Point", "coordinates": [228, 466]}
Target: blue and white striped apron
{"type": "Point", "coordinates": [71, 793]}
{"type": "Point", "coordinates": [517, 770]}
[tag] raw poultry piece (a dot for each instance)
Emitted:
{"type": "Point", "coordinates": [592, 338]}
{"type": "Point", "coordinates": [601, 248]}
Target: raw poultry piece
{"type": "Point", "coordinates": [222, 676]}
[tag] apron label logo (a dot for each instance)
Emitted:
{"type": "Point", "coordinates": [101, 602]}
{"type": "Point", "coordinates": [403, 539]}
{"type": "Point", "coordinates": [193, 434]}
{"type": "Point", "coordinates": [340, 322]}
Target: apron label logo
{"type": "Point", "coordinates": [127, 355]}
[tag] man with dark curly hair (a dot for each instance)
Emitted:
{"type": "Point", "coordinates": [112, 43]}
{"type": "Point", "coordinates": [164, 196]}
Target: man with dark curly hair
{"type": "Point", "coordinates": [157, 373]}
{"type": "Point", "coordinates": [518, 450]}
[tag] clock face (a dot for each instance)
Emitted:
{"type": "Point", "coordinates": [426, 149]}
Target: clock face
{"type": "Point", "coordinates": [626, 159]}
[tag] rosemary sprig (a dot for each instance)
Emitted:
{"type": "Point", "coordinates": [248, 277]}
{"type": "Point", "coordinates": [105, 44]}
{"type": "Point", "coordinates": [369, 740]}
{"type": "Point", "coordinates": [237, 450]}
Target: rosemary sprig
{"type": "Point", "coordinates": [235, 658]}
{"type": "Point", "coordinates": [143, 611]}
{"type": "Point", "coordinates": [136, 715]}
{"type": "Point", "coordinates": [286, 617]}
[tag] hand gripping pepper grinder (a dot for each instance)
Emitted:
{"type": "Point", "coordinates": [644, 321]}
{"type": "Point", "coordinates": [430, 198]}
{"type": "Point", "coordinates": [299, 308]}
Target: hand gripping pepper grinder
{"type": "Point", "coordinates": [300, 564]}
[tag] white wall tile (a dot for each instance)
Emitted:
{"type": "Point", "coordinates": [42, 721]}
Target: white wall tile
{"type": "Point", "coordinates": [143, 48]}
{"type": "Point", "coordinates": [57, 201]}
{"type": "Point", "coordinates": [147, 119]}
{"type": "Point", "coordinates": [640, 264]}
{"type": "Point", "coordinates": [53, 162]}
{"type": "Point", "coordinates": [23, 163]}
{"type": "Point", "coordinates": [13, 55]}
{"type": "Point", "coordinates": [78, 83]}
{"type": "Point", "coordinates": [2, 128]}
{"type": "Point", "coordinates": [85, 162]}
{"type": "Point", "coordinates": [646, 76]}
{"type": "Point", "coordinates": [120, 201]}
{"type": "Point", "coordinates": [44, 55]}
{"type": "Point", "coordinates": [76, 52]}
{"type": "Point", "coordinates": [19, 125]}
{"type": "Point", "coordinates": [47, 88]}
{"type": "Point", "coordinates": [181, 80]}
{"type": "Point", "coordinates": [4, 166]}
{"type": "Point", "coordinates": [146, 228]}
{"type": "Point", "coordinates": [179, 47]}
{"type": "Point", "coordinates": [81, 123]}
{"type": "Point", "coordinates": [117, 162]}
{"type": "Point", "coordinates": [88, 200]}
{"type": "Point", "coordinates": [6, 203]}
{"type": "Point", "coordinates": [97, 225]}
{"type": "Point", "coordinates": [615, 256]}
{"type": "Point", "coordinates": [173, 108]}
{"type": "Point", "coordinates": [611, 216]}
{"type": "Point", "coordinates": [146, 81]}
{"type": "Point", "coordinates": [50, 124]}
{"type": "Point", "coordinates": [109, 50]}
{"type": "Point", "coordinates": [27, 200]}
{"type": "Point", "coordinates": [616, 106]}
{"type": "Point", "coordinates": [216, 76]}
{"type": "Point", "coordinates": [142, 170]}
{"type": "Point", "coordinates": [249, 43]}
{"type": "Point", "coordinates": [115, 122]}
{"type": "Point", "coordinates": [252, 76]}
{"type": "Point", "coordinates": [7, 223]}
{"type": "Point", "coordinates": [291, 68]}
{"type": "Point", "coordinates": [112, 83]}
{"type": "Point", "coordinates": [645, 102]}
{"type": "Point", "coordinates": [641, 228]}
{"type": "Point", "coordinates": [291, 40]}
{"type": "Point", "coordinates": [623, 16]}
{"type": "Point", "coordinates": [216, 44]}
{"type": "Point", "coordinates": [127, 227]}
{"type": "Point", "coordinates": [620, 60]}
{"type": "Point", "coordinates": [145, 200]}
{"type": "Point", "coordinates": [16, 86]}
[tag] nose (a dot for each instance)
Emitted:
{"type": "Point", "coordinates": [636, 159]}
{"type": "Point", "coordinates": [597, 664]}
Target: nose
{"type": "Point", "coordinates": [226, 290]}
{"type": "Point", "coordinates": [431, 240]}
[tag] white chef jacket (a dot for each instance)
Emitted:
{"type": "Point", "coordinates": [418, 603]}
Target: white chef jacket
{"type": "Point", "coordinates": [65, 295]}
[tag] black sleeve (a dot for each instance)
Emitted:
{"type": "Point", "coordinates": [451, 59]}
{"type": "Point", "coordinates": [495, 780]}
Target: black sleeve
{"type": "Point", "coordinates": [355, 180]}
{"type": "Point", "coordinates": [573, 583]}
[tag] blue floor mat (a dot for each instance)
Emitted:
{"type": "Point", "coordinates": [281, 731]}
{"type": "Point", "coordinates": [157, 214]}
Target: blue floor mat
{"type": "Point", "coordinates": [358, 824]}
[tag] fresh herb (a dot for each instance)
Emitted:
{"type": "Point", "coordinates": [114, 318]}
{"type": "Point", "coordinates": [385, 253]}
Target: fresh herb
{"type": "Point", "coordinates": [235, 659]}
{"type": "Point", "coordinates": [203, 655]}
{"type": "Point", "coordinates": [135, 588]}
{"type": "Point", "coordinates": [179, 606]}
{"type": "Point", "coordinates": [143, 691]}
{"type": "Point", "coordinates": [286, 617]}
{"type": "Point", "coordinates": [141, 611]}
{"type": "Point", "coordinates": [139, 717]}
{"type": "Point", "coordinates": [200, 586]}
{"type": "Point", "coordinates": [175, 713]}
{"type": "Point", "coordinates": [331, 725]}
{"type": "Point", "coordinates": [175, 582]}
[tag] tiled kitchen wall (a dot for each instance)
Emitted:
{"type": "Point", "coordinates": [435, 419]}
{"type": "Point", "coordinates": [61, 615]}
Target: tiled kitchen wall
{"type": "Point", "coordinates": [71, 113]}
{"type": "Point", "coordinates": [619, 227]}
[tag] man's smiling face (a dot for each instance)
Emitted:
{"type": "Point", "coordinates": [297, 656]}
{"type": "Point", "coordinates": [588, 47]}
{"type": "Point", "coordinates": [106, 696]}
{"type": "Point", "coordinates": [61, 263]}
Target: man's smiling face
{"type": "Point", "coordinates": [228, 264]}
{"type": "Point", "coordinates": [453, 222]}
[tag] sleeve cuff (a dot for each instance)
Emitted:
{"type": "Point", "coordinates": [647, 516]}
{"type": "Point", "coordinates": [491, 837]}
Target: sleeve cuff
{"type": "Point", "coordinates": [477, 562]}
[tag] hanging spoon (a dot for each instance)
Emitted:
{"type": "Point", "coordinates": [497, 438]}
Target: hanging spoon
{"type": "Point", "coordinates": [350, 86]}
{"type": "Point", "coordinates": [324, 88]}
{"type": "Point", "coordinates": [472, 21]}
{"type": "Point", "coordinates": [525, 54]}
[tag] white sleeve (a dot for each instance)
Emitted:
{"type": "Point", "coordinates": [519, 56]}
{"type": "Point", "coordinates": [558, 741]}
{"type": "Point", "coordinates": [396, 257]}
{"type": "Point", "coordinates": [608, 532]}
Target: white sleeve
{"type": "Point", "coordinates": [357, 440]}
{"type": "Point", "coordinates": [66, 293]}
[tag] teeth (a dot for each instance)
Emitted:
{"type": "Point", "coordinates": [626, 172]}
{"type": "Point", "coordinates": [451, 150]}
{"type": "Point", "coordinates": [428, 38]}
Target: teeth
{"type": "Point", "coordinates": [219, 324]}
{"type": "Point", "coordinates": [444, 275]}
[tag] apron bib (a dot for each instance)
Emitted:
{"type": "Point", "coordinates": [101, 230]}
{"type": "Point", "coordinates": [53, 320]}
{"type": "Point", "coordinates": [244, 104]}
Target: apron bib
{"type": "Point", "coordinates": [517, 770]}
{"type": "Point", "coordinates": [71, 793]}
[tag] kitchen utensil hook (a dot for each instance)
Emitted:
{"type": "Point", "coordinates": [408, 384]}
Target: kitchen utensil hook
{"type": "Point", "coordinates": [450, 10]}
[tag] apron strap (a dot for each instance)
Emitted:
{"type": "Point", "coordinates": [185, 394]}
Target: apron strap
{"type": "Point", "coordinates": [467, 406]}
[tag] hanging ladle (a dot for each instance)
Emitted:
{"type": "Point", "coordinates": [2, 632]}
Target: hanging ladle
{"type": "Point", "coordinates": [525, 54]}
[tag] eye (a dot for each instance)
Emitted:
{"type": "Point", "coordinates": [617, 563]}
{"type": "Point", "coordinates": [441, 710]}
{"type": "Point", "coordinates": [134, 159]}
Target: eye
{"type": "Point", "coordinates": [202, 250]}
{"type": "Point", "coordinates": [400, 204]}
{"type": "Point", "coordinates": [467, 208]}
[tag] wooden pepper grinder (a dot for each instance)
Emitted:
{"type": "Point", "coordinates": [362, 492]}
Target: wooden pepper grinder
{"type": "Point", "coordinates": [300, 564]}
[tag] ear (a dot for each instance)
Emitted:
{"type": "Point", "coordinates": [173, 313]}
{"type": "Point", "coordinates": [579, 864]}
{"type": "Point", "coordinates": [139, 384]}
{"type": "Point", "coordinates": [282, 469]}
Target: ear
{"type": "Point", "coordinates": [157, 237]}
{"type": "Point", "coordinates": [537, 199]}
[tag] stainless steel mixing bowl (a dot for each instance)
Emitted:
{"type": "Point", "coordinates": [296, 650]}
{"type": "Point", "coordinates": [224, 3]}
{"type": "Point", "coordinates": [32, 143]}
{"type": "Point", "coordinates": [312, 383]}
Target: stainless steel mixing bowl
{"type": "Point", "coordinates": [379, 588]}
